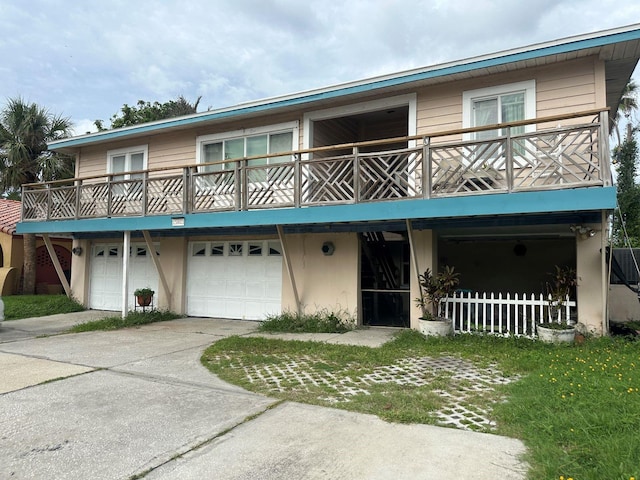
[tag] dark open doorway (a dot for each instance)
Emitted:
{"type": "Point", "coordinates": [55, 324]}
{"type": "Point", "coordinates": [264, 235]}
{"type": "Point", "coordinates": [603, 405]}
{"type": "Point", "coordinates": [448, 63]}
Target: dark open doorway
{"type": "Point", "coordinates": [385, 278]}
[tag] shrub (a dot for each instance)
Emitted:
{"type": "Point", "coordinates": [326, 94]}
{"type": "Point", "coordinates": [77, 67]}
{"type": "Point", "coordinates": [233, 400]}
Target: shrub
{"type": "Point", "coordinates": [323, 321]}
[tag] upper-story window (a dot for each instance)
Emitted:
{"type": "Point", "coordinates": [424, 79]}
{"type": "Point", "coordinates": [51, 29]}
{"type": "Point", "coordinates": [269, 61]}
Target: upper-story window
{"type": "Point", "coordinates": [122, 161]}
{"type": "Point", "coordinates": [503, 103]}
{"type": "Point", "coordinates": [126, 160]}
{"type": "Point", "coordinates": [247, 143]}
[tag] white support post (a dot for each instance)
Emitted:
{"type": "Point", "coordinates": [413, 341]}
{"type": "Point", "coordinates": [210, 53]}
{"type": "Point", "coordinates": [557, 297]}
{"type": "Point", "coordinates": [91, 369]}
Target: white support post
{"type": "Point", "coordinates": [56, 265]}
{"type": "Point", "coordinates": [125, 273]}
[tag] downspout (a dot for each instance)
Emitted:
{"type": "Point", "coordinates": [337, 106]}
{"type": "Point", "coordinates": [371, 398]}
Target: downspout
{"type": "Point", "coordinates": [287, 262]}
{"type": "Point", "coordinates": [156, 264]}
{"type": "Point", "coordinates": [56, 265]}
{"type": "Point", "coordinates": [125, 273]}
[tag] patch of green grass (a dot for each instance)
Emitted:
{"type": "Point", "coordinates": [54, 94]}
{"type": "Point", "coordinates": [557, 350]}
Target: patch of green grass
{"type": "Point", "coordinates": [323, 321]}
{"type": "Point", "coordinates": [579, 412]}
{"type": "Point", "coordinates": [27, 306]}
{"type": "Point", "coordinates": [576, 407]}
{"type": "Point", "coordinates": [132, 319]}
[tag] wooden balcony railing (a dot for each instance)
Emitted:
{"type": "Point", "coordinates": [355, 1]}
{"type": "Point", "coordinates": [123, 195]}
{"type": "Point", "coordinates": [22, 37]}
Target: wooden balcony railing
{"type": "Point", "coordinates": [572, 155]}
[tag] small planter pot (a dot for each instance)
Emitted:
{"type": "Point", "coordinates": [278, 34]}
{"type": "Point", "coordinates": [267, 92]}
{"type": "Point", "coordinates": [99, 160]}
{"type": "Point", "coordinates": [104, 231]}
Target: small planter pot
{"type": "Point", "coordinates": [555, 335]}
{"type": "Point", "coordinates": [436, 328]}
{"type": "Point", "coordinates": [144, 300]}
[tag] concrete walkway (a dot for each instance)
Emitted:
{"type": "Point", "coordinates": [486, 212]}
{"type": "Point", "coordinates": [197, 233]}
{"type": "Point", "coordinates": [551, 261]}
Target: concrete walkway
{"type": "Point", "coordinates": [138, 402]}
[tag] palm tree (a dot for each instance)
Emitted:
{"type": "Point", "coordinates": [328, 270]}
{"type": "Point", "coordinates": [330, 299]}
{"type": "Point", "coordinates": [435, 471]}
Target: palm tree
{"type": "Point", "coordinates": [25, 129]}
{"type": "Point", "coordinates": [626, 106]}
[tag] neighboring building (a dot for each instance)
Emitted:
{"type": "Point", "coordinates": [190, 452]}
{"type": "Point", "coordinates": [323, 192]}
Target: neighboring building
{"type": "Point", "coordinates": [12, 255]}
{"type": "Point", "coordinates": [337, 198]}
{"type": "Point", "coordinates": [624, 302]}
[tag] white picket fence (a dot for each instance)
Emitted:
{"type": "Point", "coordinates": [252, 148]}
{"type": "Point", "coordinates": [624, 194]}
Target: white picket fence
{"type": "Point", "coordinates": [503, 314]}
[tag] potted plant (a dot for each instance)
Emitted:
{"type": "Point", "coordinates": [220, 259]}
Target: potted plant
{"type": "Point", "coordinates": [434, 289]}
{"type": "Point", "coordinates": [556, 329]}
{"type": "Point", "coordinates": [144, 296]}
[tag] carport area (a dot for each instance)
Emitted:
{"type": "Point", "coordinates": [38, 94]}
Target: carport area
{"type": "Point", "coordinates": [137, 402]}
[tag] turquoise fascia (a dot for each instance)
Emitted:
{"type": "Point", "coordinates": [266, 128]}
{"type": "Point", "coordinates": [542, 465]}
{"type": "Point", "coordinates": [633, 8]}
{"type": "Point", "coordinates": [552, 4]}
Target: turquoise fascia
{"type": "Point", "coordinates": [569, 200]}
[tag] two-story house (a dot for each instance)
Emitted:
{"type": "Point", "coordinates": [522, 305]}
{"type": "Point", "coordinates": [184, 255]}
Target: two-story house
{"type": "Point", "coordinates": [338, 198]}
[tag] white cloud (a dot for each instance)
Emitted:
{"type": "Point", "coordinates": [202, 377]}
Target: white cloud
{"type": "Point", "coordinates": [86, 59]}
{"type": "Point", "coordinates": [80, 127]}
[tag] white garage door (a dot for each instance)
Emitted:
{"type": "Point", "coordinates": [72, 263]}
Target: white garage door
{"type": "Point", "coordinates": [105, 278]}
{"type": "Point", "coordinates": [234, 279]}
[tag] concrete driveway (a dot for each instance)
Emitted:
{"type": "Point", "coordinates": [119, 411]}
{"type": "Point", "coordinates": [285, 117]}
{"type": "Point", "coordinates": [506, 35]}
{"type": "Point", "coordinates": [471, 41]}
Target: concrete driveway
{"type": "Point", "coordinates": [137, 402]}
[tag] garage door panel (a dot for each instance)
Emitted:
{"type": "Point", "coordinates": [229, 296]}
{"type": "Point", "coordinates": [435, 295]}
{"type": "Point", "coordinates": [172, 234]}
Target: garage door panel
{"type": "Point", "coordinates": [237, 285]}
{"type": "Point", "coordinates": [232, 290]}
{"type": "Point", "coordinates": [105, 275]}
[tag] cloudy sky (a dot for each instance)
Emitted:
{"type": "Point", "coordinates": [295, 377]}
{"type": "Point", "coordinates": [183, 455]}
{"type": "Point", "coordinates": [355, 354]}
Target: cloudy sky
{"type": "Point", "coordinates": [85, 59]}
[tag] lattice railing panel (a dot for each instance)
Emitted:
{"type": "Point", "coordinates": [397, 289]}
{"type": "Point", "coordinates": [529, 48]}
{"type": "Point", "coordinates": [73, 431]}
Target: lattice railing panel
{"type": "Point", "coordinates": [389, 175]}
{"type": "Point", "coordinates": [468, 167]}
{"type": "Point", "coordinates": [568, 156]}
{"type": "Point", "coordinates": [63, 202]}
{"type": "Point", "coordinates": [214, 191]}
{"type": "Point", "coordinates": [271, 185]}
{"type": "Point", "coordinates": [35, 204]}
{"type": "Point", "coordinates": [327, 180]}
{"type": "Point", "coordinates": [94, 200]}
{"type": "Point", "coordinates": [165, 195]}
{"type": "Point", "coordinates": [553, 158]}
{"type": "Point", "coordinates": [126, 197]}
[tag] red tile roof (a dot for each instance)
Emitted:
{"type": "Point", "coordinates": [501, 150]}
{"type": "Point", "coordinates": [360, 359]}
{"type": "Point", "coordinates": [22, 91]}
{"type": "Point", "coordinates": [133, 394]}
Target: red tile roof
{"type": "Point", "coordinates": [10, 211]}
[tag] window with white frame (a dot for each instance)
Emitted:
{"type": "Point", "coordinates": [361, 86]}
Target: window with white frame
{"type": "Point", "coordinates": [253, 142]}
{"type": "Point", "coordinates": [126, 160]}
{"type": "Point", "coordinates": [499, 104]}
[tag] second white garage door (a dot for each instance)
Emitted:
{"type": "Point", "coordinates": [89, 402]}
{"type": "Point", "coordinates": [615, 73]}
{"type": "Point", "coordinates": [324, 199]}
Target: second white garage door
{"type": "Point", "coordinates": [234, 279]}
{"type": "Point", "coordinates": [105, 277]}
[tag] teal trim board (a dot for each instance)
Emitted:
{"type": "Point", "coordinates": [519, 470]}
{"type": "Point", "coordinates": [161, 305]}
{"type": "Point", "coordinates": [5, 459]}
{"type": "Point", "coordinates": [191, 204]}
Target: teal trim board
{"type": "Point", "coordinates": [570, 200]}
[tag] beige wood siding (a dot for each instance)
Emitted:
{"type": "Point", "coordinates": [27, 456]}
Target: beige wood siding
{"type": "Point", "coordinates": [171, 150]}
{"type": "Point", "coordinates": [92, 161]}
{"type": "Point", "coordinates": [560, 89]}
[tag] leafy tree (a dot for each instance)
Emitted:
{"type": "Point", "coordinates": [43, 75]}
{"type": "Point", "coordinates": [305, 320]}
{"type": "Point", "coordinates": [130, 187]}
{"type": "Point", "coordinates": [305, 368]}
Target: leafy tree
{"type": "Point", "coordinates": [145, 112]}
{"type": "Point", "coordinates": [626, 159]}
{"type": "Point", "coordinates": [25, 129]}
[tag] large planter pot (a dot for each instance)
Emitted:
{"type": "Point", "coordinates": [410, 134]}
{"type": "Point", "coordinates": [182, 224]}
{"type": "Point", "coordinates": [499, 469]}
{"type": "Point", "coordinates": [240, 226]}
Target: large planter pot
{"type": "Point", "coordinates": [555, 335]}
{"type": "Point", "coordinates": [436, 328]}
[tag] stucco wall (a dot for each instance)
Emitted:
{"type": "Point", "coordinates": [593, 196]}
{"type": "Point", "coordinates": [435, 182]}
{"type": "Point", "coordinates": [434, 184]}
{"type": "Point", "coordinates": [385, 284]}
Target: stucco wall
{"type": "Point", "coordinates": [79, 272]}
{"type": "Point", "coordinates": [173, 264]}
{"type": "Point", "coordinates": [323, 282]}
{"type": "Point", "coordinates": [5, 243]}
{"type": "Point", "coordinates": [426, 255]}
{"type": "Point", "coordinates": [590, 272]}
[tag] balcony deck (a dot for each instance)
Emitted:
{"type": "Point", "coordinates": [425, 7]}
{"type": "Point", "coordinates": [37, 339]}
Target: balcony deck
{"type": "Point", "coordinates": [432, 166]}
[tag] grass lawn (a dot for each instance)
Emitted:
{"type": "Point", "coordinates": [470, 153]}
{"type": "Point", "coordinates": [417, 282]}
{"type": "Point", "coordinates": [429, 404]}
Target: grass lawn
{"type": "Point", "coordinates": [577, 408]}
{"type": "Point", "coordinates": [27, 306]}
{"type": "Point", "coordinates": [132, 319]}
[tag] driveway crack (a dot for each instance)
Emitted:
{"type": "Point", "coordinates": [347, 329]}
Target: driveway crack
{"type": "Point", "coordinates": [210, 440]}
